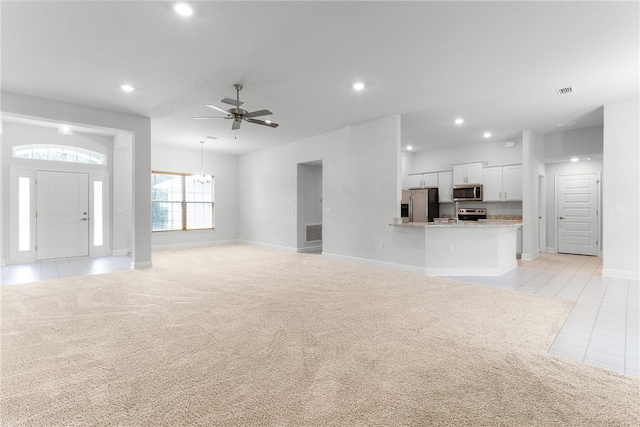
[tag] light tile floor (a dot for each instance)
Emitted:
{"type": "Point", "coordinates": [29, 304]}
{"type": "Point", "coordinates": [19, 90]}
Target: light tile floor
{"type": "Point", "coordinates": [54, 269]}
{"type": "Point", "coordinates": [603, 328]}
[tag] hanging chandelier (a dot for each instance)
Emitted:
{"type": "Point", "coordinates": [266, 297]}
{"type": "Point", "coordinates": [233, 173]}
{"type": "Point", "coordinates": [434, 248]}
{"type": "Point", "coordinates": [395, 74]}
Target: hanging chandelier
{"type": "Point", "coordinates": [202, 178]}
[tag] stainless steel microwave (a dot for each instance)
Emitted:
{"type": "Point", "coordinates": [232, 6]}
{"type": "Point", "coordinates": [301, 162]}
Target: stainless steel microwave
{"type": "Point", "coordinates": [467, 192]}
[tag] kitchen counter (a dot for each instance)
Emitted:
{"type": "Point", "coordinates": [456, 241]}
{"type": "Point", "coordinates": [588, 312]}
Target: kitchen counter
{"type": "Point", "coordinates": [467, 248]}
{"type": "Point", "coordinates": [480, 223]}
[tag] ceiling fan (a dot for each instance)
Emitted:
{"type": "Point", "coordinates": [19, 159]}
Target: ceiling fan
{"type": "Point", "coordinates": [238, 114]}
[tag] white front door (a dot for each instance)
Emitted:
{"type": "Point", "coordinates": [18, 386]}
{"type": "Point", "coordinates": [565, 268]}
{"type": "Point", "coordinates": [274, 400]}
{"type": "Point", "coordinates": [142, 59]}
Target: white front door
{"type": "Point", "coordinates": [578, 214]}
{"type": "Point", "coordinates": [62, 215]}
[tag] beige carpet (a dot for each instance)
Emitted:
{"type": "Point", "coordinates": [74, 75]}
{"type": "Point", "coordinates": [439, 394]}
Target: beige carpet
{"type": "Point", "coordinates": [237, 335]}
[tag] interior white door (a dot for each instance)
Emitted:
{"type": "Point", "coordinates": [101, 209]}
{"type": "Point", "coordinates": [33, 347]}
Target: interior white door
{"type": "Point", "coordinates": [578, 214]}
{"type": "Point", "coordinates": [62, 214]}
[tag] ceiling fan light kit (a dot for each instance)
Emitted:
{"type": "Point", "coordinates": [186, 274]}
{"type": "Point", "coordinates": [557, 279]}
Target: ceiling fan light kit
{"type": "Point", "coordinates": [238, 114]}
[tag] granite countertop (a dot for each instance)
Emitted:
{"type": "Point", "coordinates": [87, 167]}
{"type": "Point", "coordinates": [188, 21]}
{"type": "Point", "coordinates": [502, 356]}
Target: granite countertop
{"type": "Point", "coordinates": [480, 223]}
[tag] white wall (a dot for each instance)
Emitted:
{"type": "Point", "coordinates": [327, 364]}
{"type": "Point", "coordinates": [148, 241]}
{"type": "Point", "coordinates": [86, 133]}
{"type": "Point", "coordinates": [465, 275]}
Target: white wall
{"type": "Point", "coordinates": [361, 191]}
{"type": "Point", "coordinates": [491, 152]}
{"type": "Point", "coordinates": [577, 142]}
{"type": "Point", "coordinates": [531, 169]}
{"type": "Point", "coordinates": [621, 210]}
{"type": "Point", "coordinates": [565, 168]}
{"type": "Point", "coordinates": [224, 169]}
{"type": "Point", "coordinates": [122, 195]}
{"type": "Point", "coordinates": [53, 111]}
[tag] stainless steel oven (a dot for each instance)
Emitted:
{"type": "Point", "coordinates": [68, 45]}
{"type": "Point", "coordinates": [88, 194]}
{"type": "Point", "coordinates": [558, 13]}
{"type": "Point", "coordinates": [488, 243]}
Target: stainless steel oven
{"type": "Point", "coordinates": [471, 214]}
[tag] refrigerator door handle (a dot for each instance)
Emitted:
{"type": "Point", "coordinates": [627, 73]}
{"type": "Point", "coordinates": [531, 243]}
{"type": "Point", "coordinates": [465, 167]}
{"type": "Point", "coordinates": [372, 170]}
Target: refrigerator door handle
{"type": "Point", "coordinates": [411, 209]}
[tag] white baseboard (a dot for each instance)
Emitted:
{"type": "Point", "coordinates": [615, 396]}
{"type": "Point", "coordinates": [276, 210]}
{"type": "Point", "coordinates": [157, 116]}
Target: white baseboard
{"type": "Point", "coordinates": [529, 257]}
{"type": "Point", "coordinates": [471, 271]}
{"type": "Point", "coordinates": [4, 262]}
{"type": "Point", "coordinates": [141, 265]}
{"type": "Point", "coordinates": [310, 249]}
{"type": "Point", "coordinates": [551, 250]}
{"type": "Point", "coordinates": [120, 252]}
{"type": "Point", "coordinates": [621, 274]}
{"type": "Point", "coordinates": [268, 245]}
{"type": "Point", "coordinates": [193, 244]}
{"type": "Point", "coordinates": [383, 264]}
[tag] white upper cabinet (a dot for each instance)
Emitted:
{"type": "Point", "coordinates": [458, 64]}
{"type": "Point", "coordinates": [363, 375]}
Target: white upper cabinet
{"type": "Point", "coordinates": [423, 180]}
{"type": "Point", "coordinates": [415, 181]}
{"type": "Point", "coordinates": [445, 186]}
{"type": "Point", "coordinates": [467, 173]}
{"type": "Point", "coordinates": [512, 182]}
{"type": "Point", "coordinates": [430, 179]}
{"type": "Point", "coordinates": [492, 184]}
{"type": "Point", "coordinates": [502, 183]}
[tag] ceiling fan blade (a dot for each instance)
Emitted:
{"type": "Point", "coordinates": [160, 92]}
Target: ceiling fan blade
{"type": "Point", "coordinates": [236, 124]}
{"type": "Point", "coordinates": [209, 118]}
{"type": "Point", "coordinates": [263, 123]}
{"type": "Point", "coordinates": [231, 101]}
{"type": "Point", "coordinates": [258, 113]}
{"type": "Point", "coordinates": [217, 108]}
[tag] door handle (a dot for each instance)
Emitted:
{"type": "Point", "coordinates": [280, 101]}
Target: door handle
{"type": "Point", "coordinates": [411, 209]}
{"type": "Point", "coordinates": [561, 217]}
{"type": "Point", "coordinates": [84, 219]}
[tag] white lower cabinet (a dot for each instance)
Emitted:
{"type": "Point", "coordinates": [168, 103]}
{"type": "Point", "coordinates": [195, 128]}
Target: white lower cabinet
{"type": "Point", "coordinates": [502, 183]}
{"type": "Point", "coordinates": [445, 186]}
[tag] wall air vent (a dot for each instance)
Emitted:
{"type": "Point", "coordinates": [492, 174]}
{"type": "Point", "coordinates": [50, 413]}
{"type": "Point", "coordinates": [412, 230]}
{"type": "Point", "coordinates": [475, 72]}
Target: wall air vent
{"type": "Point", "coordinates": [564, 90]}
{"type": "Point", "coordinates": [313, 233]}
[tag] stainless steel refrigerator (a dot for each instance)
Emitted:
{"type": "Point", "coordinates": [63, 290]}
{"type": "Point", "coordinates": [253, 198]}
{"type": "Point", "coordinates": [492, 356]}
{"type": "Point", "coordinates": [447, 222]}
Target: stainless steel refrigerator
{"type": "Point", "coordinates": [419, 205]}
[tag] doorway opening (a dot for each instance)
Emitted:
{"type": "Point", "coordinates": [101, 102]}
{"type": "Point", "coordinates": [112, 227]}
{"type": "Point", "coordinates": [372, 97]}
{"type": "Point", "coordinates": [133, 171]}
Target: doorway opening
{"type": "Point", "coordinates": [309, 207]}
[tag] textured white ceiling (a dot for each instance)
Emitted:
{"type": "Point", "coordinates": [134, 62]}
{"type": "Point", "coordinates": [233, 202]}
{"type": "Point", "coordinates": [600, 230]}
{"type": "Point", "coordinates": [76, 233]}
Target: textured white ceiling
{"type": "Point", "coordinates": [497, 64]}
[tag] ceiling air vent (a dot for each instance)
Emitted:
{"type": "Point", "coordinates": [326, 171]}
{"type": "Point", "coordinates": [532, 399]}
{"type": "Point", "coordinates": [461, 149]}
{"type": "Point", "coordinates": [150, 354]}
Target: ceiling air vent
{"type": "Point", "coordinates": [564, 90]}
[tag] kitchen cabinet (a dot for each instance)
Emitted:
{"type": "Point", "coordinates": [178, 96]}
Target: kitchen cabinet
{"type": "Point", "coordinates": [445, 186]}
{"type": "Point", "coordinates": [512, 182]}
{"type": "Point", "coordinates": [502, 183]}
{"type": "Point", "coordinates": [467, 173]}
{"type": "Point", "coordinates": [423, 180]}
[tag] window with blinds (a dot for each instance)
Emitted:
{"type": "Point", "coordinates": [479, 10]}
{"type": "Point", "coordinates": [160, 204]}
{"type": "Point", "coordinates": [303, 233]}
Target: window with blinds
{"type": "Point", "coordinates": [178, 203]}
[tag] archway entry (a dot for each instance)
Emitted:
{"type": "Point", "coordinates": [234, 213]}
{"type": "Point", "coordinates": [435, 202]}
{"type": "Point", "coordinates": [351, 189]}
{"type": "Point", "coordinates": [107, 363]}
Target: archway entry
{"type": "Point", "coordinates": [309, 207]}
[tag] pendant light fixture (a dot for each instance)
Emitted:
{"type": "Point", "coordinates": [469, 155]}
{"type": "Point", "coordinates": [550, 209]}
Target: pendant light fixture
{"type": "Point", "coordinates": [202, 178]}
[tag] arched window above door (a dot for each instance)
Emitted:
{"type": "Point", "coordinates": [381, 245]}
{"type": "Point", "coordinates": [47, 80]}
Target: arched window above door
{"type": "Point", "coordinates": [60, 153]}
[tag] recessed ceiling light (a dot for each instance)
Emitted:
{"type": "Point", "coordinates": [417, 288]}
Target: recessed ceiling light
{"type": "Point", "coordinates": [574, 159]}
{"type": "Point", "coordinates": [358, 86]}
{"type": "Point", "coordinates": [183, 9]}
{"type": "Point", "coordinates": [127, 88]}
{"type": "Point", "coordinates": [409, 147]}
{"type": "Point", "coordinates": [487, 135]}
{"type": "Point", "coordinates": [267, 121]}
{"type": "Point", "coordinates": [459, 121]}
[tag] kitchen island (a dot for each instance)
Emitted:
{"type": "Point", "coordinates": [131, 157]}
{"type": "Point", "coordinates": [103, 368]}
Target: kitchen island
{"type": "Point", "coordinates": [475, 248]}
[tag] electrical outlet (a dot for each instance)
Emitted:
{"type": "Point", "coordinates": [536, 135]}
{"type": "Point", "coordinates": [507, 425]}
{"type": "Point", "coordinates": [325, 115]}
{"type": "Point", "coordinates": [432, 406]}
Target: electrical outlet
{"type": "Point", "coordinates": [450, 249]}
{"type": "Point", "coordinates": [618, 209]}
{"type": "Point", "coordinates": [381, 245]}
